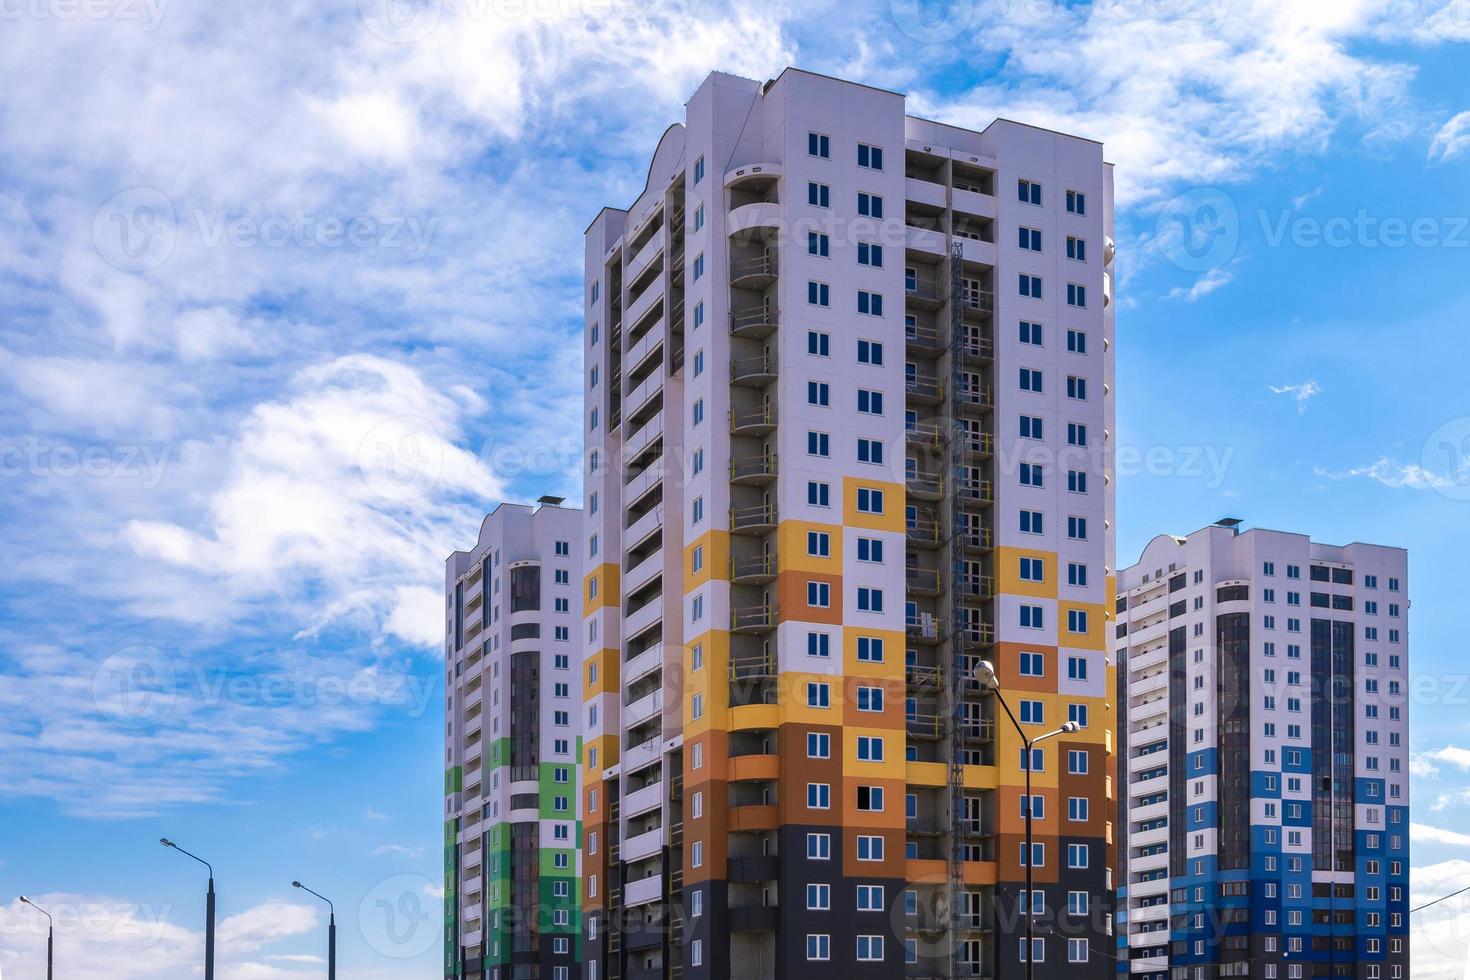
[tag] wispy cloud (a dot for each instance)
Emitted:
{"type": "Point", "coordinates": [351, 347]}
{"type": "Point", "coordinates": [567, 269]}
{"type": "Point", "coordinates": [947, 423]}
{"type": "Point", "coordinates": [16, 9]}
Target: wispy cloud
{"type": "Point", "coordinates": [1420, 833]}
{"type": "Point", "coordinates": [1301, 393]}
{"type": "Point", "coordinates": [1206, 284]}
{"type": "Point", "coordinates": [398, 852]}
{"type": "Point", "coordinates": [1453, 139]}
{"type": "Point", "coordinates": [1393, 474]}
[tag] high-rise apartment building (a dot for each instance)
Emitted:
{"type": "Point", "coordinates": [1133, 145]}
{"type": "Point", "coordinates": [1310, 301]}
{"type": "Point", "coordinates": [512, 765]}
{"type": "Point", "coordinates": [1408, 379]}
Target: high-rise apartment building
{"type": "Point", "coordinates": [1264, 716]}
{"type": "Point", "coordinates": [848, 425]}
{"type": "Point", "coordinates": [513, 696]}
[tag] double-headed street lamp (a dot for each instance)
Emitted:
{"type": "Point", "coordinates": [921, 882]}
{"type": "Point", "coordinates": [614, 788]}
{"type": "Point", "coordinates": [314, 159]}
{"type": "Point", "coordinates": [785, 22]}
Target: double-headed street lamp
{"type": "Point", "coordinates": [208, 909]}
{"type": "Point", "coordinates": [50, 933]}
{"type": "Point", "coordinates": [331, 930]}
{"type": "Point", "coordinates": [985, 676]}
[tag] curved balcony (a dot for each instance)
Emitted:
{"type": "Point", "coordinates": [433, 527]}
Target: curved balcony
{"type": "Point", "coordinates": [753, 323]}
{"type": "Point", "coordinates": [753, 372]}
{"type": "Point", "coordinates": [753, 422]}
{"type": "Point", "coordinates": [753, 470]}
{"type": "Point", "coordinates": [752, 176]}
{"type": "Point", "coordinates": [752, 619]}
{"type": "Point", "coordinates": [756, 273]}
{"type": "Point", "coordinates": [753, 816]}
{"type": "Point", "coordinates": [759, 216]}
{"type": "Point", "coordinates": [753, 569]}
{"type": "Point", "coordinates": [747, 767]}
{"type": "Point", "coordinates": [759, 519]}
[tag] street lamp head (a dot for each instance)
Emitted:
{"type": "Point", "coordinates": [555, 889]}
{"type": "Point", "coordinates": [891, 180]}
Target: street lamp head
{"type": "Point", "coordinates": [295, 884]}
{"type": "Point", "coordinates": [1071, 727]}
{"type": "Point", "coordinates": [165, 842]}
{"type": "Point", "coordinates": [24, 900]}
{"type": "Point", "coordinates": [985, 675]}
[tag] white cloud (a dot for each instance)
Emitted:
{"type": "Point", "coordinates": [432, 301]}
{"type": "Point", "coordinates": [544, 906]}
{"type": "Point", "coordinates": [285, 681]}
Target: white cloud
{"type": "Point", "coordinates": [1452, 755]}
{"type": "Point", "coordinates": [102, 936]}
{"type": "Point", "coordinates": [1424, 834]}
{"type": "Point", "coordinates": [1395, 475]}
{"type": "Point", "coordinates": [1301, 393]}
{"type": "Point", "coordinates": [398, 852]}
{"type": "Point", "coordinates": [1203, 286]}
{"type": "Point", "coordinates": [1453, 139]}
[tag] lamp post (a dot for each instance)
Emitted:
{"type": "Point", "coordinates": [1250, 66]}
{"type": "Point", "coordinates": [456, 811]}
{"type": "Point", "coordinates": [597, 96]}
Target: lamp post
{"type": "Point", "coordinates": [50, 933]}
{"type": "Point", "coordinates": [208, 908]}
{"type": "Point", "coordinates": [985, 675]}
{"type": "Point", "coordinates": [331, 930]}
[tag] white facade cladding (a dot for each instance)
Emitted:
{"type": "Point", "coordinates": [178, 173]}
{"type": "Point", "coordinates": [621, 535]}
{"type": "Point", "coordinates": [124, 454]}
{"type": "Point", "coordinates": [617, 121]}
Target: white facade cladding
{"type": "Point", "coordinates": [513, 691]}
{"type": "Point", "coordinates": [1263, 684]}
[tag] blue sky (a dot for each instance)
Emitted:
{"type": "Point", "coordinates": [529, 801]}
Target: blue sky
{"type": "Point", "coordinates": [290, 299]}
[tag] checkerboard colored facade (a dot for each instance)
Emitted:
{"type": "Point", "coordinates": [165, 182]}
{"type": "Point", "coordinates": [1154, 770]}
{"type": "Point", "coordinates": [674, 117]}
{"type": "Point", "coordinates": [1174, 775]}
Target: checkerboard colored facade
{"type": "Point", "coordinates": [848, 426]}
{"type": "Point", "coordinates": [512, 881]}
{"type": "Point", "coordinates": [1265, 808]}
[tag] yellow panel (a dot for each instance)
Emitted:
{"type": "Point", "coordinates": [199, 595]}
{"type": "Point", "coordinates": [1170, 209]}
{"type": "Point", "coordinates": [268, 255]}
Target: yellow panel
{"type": "Point", "coordinates": [606, 576]}
{"type": "Point", "coordinates": [894, 644]}
{"type": "Point", "coordinates": [711, 680]}
{"type": "Point", "coordinates": [791, 549]}
{"type": "Point", "coordinates": [607, 755]}
{"type": "Point", "coordinates": [982, 777]}
{"type": "Point", "coordinates": [927, 774]}
{"type": "Point", "coordinates": [609, 679]}
{"type": "Point", "coordinates": [893, 501]}
{"type": "Point", "coordinates": [1008, 573]}
{"type": "Point", "coordinates": [716, 545]}
{"type": "Point", "coordinates": [1096, 637]}
{"type": "Point", "coordinates": [754, 716]}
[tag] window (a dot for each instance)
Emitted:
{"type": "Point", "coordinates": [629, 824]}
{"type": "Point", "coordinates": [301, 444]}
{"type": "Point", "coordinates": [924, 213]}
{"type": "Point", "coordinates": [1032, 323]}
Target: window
{"type": "Point", "coordinates": [818, 645]}
{"type": "Point", "coordinates": [1077, 807]}
{"type": "Point", "coordinates": [869, 205]}
{"type": "Point", "coordinates": [869, 501]}
{"type": "Point", "coordinates": [870, 799]}
{"type": "Point", "coordinates": [818, 195]}
{"type": "Point", "coordinates": [1076, 482]}
{"type": "Point", "coordinates": [869, 599]}
{"type": "Point", "coordinates": [1076, 249]}
{"type": "Point", "coordinates": [1076, 295]}
{"type": "Point", "coordinates": [870, 748]}
{"type": "Point", "coordinates": [1031, 427]}
{"type": "Point", "coordinates": [1077, 621]}
{"type": "Point", "coordinates": [1032, 475]}
{"type": "Point", "coordinates": [1076, 342]}
{"type": "Point", "coordinates": [818, 945]}
{"type": "Point", "coordinates": [818, 344]}
{"type": "Point", "coordinates": [1077, 528]}
{"type": "Point", "coordinates": [1077, 388]}
{"type": "Point", "coordinates": [869, 948]}
{"type": "Point", "coordinates": [869, 848]}
{"type": "Point", "coordinates": [1076, 434]}
{"type": "Point", "coordinates": [1031, 380]}
{"type": "Point", "coordinates": [869, 303]}
{"type": "Point", "coordinates": [870, 649]}
{"type": "Point", "coordinates": [1031, 522]}
{"type": "Point", "coordinates": [870, 550]}
{"type": "Point", "coordinates": [870, 255]}
{"type": "Point", "coordinates": [870, 157]}
{"type": "Point", "coordinates": [1033, 569]}
{"type": "Point", "coordinates": [869, 699]}
{"type": "Point", "coordinates": [1033, 712]}
{"type": "Point", "coordinates": [1033, 664]}
{"type": "Point", "coordinates": [819, 847]}
{"type": "Point", "coordinates": [818, 494]}
{"type": "Point", "coordinates": [818, 695]}
{"type": "Point", "coordinates": [818, 444]}
{"type": "Point", "coordinates": [869, 402]}
{"type": "Point", "coordinates": [1076, 202]}
{"type": "Point", "coordinates": [698, 267]}
{"type": "Point", "coordinates": [819, 796]}
{"type": "Point", "coordinates": [818, 294]}
{"type": "Point", "coordinates": [1030, 239]}
{"type": "Point", "coordinates": [1077, 668]}
{"type": "Point", "coordinates": [818, 393]}
{"type": "Point", "coordinates": [1077, 762]}
{"type": "Point", "coordinates": [1029, 285]}
{"type": "Point", "coordinates": [1032, 617]}
{"type": "Point", "coordinates": [819, 145]}
{"type": "Point", "coordinates": [818, 897]}
{"type": "Point", "coordinates": [1028, 192]}
{"type": "Point", "coordinates": [870, 352]}
{"type": "Point", "coordinates": [818, 244]}
{"type": "Point", "coordinates": [1077, 855]}
{"type": "Point", "coordinates": [699, 170]}
{"type": "Point", "coordinates": [1030, 333]}
{"type": "Point", "coordinates": [699, 222]}
{"type": "Point", "coordinates": [870, 898]}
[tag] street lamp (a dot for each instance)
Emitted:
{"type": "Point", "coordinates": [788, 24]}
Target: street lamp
{"type": "Point", "coordinates": [331, 930]}
{"type": "Point", "coordinates": [208, 908]}
{"type": "Point", "coordinates": [985, 676]}
{"type": "Point", "coordinates": [50, 933]}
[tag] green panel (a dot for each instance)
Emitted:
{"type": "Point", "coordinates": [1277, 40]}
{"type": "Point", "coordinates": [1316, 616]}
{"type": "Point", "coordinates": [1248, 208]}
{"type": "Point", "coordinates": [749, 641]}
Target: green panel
{"type": "Point", "coordinates": [451, 896]}
{"type": "Point", "coordinates": [453, 780]}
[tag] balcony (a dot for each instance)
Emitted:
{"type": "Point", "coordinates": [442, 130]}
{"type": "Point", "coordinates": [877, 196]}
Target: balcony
{"type": "Point", "coordinates": [752, 619]}
{"type": "Point", "coordinates": [753, 322]}
{"type": "Point", "coordinates": [925, 192]}
{"type": "Point", "coordinates": [923, 581]}
{"type": "Point", "coordinates": [753, 569]}
{"type": "Point", "coordinates": [753, 372]}
{"type": "Point", "coordinates": [643, 845]}
{"type": "Point", "coordinates": [645, 663]}
{"type": "Point", "coordinates": [753, 422]}
{"type": "Point", "coordinates": [978, 445]}
{"type": "Point", "coordinates": [757, 918]}
{"type": "Point", "coordinates": [642, 800]}
{"type": "Point", "coordinates": [753, 470]}
{"type": "Point", "coordinates": [977, 541]}
{"type": "Point", "coordinates": [923, 532]}
{"type": "Point", "coordinates": [976, 492]}
{"type": "Point", "coordinates": [922, 628]}
{"type": "Point", "coordinates": [640, 755]}
{"type": "Point", "coordinates": [928, 436]}
{"type": "Point", "coordinates": [759, 519]}
{"type": "Point", "coordinates": [753, 816]}
{"type": "Point", "coordinates": [754, 273]}
{"type": "Point", "coordinates": [977, 302]}
{"type": "Point", "coordinates": [923, 486]}
{"type": "Point", "coordinates": [643, 708]}
{"type": "Point", "coordinates": [923, 389]}
{"type": "Point", "coordinates": [975, 396]}
{"type": "Point", "coordinates": [757, 216]}
{"type": "Point", "coordinates": [926, 341]}
{"type": "Point", "coordinates": [643, 891]}
{"type": "Point", "coordinates": [923, 292]}
{"type": "Point", "coordinates": [980, 349]}
{"type": "Point", "coordinates": [980, 587]}
{"type": "Point", "coordinates": [925, 241]}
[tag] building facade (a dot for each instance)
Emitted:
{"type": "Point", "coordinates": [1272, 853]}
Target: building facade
{"type": "Point", "coordinates": [513, 692]}
{"type": "Point", "coordinates": [848, 420]}
{"type": "Point", "coordinates": [1265, 810]}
